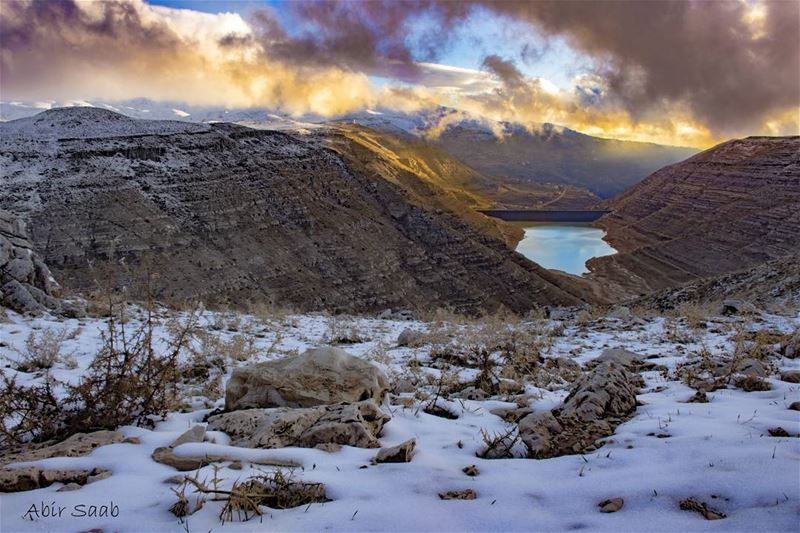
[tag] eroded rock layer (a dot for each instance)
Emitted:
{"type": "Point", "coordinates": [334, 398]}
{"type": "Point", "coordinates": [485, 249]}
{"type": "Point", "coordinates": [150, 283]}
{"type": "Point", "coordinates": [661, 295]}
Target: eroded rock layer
{"type": "Point", "coordinates": [229, 214]}
{"type": "Point", "coordinates": [731, 207]}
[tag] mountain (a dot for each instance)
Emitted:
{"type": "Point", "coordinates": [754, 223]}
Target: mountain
{"type": "Point", "coordinates": [430, 162]}
{"type": "Point", "coordinates": [731, 207]}
{"type": "Point", "coordinates": [235, 215]}
{"type": "Point", "coordinates": [548, 154]}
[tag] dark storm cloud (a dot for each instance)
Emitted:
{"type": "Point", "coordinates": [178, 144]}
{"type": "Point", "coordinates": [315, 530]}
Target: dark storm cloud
{"type": "Point", "coordinates": [371, 36]}
{"type": "Point", "coordinates": [729, 71]}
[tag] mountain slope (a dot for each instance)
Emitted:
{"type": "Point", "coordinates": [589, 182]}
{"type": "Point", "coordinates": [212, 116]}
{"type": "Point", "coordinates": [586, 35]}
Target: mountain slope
{"type": "Point", "coordinates": [509, 152]}
{"type": "Point", "coordinates": [236, 215]}
{"type": "Point", "coordinates": [728, 208]}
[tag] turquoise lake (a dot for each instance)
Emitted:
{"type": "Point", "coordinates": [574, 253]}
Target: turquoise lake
{"type": "Point", "coordinates": [563, 245]}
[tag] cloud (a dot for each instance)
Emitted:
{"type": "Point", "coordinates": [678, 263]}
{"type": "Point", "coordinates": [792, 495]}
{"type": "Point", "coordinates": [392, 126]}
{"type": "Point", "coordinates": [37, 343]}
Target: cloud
{"type": "Point", "coordinates": [119, 49]}
{"type": "Point", "coordinates": [731, 64]}
{"type": "Point", "coordinates": [671, 71]}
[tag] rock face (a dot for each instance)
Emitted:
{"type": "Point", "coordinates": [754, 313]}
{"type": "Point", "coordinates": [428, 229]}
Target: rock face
{"type": "Point", "coordinates": [731, 207]}
{"type": "Point", "coordinates": [358, 424]}
{"type": "Point", "coordinates": [599, 401]}
{"type": "Point", "coordinates": [26, 285]}
{"type": "Point", "coordinates": [318, 376]}
{"type": "Point", "coordinates": [233, 215]}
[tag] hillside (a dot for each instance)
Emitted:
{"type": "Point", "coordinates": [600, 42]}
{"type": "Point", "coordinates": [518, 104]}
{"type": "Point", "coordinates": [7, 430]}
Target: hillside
{"type": "Point", "coordinates": [731, 207]}
{"type": "Point", "coordinates": [550, 155]}
{"type": "Point", "coordinates": [234, 215]}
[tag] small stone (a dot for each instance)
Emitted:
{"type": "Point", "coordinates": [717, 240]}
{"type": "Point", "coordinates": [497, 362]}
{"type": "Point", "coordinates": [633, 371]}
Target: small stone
{"type": "Point", "coordinates": [471, 470]}
{"type": "Point", "coordinates": [794, 406]}
{"type": "Point", "coordinates": [467, 494]}
{"type": "Point", "coordinates": [235, 465]}
{"type": "Point", "coordinates": [690, 504]}
{"type": "Point", "coordinates": [791, 376]}
{"type": "Point", "coordinates": [132, 440]}
{"type": "Point", "coordinates": [611, 506]}
{"type": "Point", "coordinates": [175, 480]}
{"type": "Point", "coordinates": [69, 487]}
{"type": "Point", "coordinates": [195, 434]}
{"type": "Point", "coordinates": [699, 397]}
{"type": "Point", "coordinates": [778, 432]}
{"type": "Point", "coordinates": [410, 338]}
{"type": "Point", "coordinates": [103, 474]}
{"type": "Point", "coordinates": [397, 454]}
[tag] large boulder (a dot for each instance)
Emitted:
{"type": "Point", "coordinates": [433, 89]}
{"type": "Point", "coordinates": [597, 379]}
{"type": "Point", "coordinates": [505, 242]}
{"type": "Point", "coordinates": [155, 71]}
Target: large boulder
{"type": "Point", "coordinates": [357, 424]}
{"type": "Point", "coordinates": [599, 401]}
{"type": "Point", "coordinates": [319, 376]}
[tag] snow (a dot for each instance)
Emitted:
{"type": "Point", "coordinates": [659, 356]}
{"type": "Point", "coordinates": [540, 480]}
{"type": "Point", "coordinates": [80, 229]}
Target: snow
{"type": "Point", "coordinates": [717, 452]}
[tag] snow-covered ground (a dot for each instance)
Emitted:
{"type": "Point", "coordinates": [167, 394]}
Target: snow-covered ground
{"type": "Point", "coordinates": [718, 452]}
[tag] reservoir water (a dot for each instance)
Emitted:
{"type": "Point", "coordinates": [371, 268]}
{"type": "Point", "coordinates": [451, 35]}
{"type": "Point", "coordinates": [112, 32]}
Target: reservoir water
{"type": "Point", "coordinates": [563, 245]}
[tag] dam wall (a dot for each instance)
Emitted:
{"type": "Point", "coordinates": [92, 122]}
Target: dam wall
{"type": "Point", "coordinates": [539, 215]}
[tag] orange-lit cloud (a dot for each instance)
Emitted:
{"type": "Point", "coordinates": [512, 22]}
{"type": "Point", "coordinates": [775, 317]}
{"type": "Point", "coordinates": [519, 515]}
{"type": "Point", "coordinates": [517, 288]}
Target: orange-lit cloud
{"type": "Point", "coordinates": [671, 72]}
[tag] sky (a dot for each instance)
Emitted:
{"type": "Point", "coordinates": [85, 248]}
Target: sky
{"type": "Point", "coordinates": [674, 72]}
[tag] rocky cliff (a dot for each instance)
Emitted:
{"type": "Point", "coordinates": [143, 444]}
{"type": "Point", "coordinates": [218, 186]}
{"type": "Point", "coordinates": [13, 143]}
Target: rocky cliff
{"type": "Point", "coordinates": [26, 284]}
{"type": "Point", "coordinates": [729, 208]}
{"type": "Point", "coordinates": [235, 215]}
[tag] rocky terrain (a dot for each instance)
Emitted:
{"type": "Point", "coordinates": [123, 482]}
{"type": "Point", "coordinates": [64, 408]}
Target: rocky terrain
{"type": "Point", "coordinates": [314, 422]}
{"type": "Point", "coordinates": [732, 207]}
{"type": "Point", "coordinates": [233, 215]}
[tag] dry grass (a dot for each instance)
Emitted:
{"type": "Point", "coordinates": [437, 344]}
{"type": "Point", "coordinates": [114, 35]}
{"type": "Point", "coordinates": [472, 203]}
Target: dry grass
{"type": "Point", "coordinates": [43, 349]}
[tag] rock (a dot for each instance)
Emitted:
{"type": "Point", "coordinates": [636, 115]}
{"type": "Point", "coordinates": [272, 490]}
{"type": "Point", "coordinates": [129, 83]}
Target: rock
{"type": "Point", "coordinates": [34, 477]}
{"type": "Point", "coordinates": [620, 356]}
{"type": "Point", "coordinates": [471, 470]}
{"type": "Point", "coordinates": [738, 307]}
{"type": "Point", "coordinates": [166, 454]}
{"type": "Point", "coordinates": [132, 440]}
{"type": "Point", "coordinates": [699, 397]}
{"type": "Point", "coordinates": [467, 494]}
{"type": "Point", "coordinates": [512, 415]}
{"type": "Point", "coordinates": [471, 393]}
{"type": "Point", "coordinates": [791, 376]}
{"type": "Point", "coordinates": [778, 432]}
{"type": "Point", "coordinates": [75, 446]}
{"type": "Point", "coordinates": [69, 487]}
{"type": "Point", "coordinates": [396, 454]}
{"type": "Point", "coordinates": [753, 384]}
{"type": "Point", "coordinates": [320, 376]}
{"type": "Point", "coordinates": [26, 285]}
{"type": "Point", "coordinates": [329, 447]}
{"type": "Point", "coordinates": [235, 465]}
{"type": "Point", "coordinates": [690, 504]}
{"type": "Point", "coordinates": [794, 406]}
{"type": "Point", "coordinates": [598, 401]}
{"type": "Point", "coordinates": [791, 348]}
{"type": "Point", "coordinates": [752, 367]}
{"type": "Point", "coordinates": [411, 338]}
{"type": "Point", "coordinates": [357, 424]}
{"type": "Point", "coordinates": [611, 506]}
{"type": "Point", "coordinates": [194, 434]}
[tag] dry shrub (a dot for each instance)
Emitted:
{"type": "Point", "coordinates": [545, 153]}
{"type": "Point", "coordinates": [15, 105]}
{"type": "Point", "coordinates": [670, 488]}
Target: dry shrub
{"type": "Point", "coordinates": [42, 350]}
{"type": "Point", "coordinates": [276, 490]}
{"type": "Point", "coordinates": [343, 331]}
{"type": "Point", "coordinates": [497, 349]}
{"type": "Point", "coordinates": [695, 314]}
{"type": "Point", "coordinates": [499, 445]}
{"type": "Point", "coordinates": [127, 383]}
